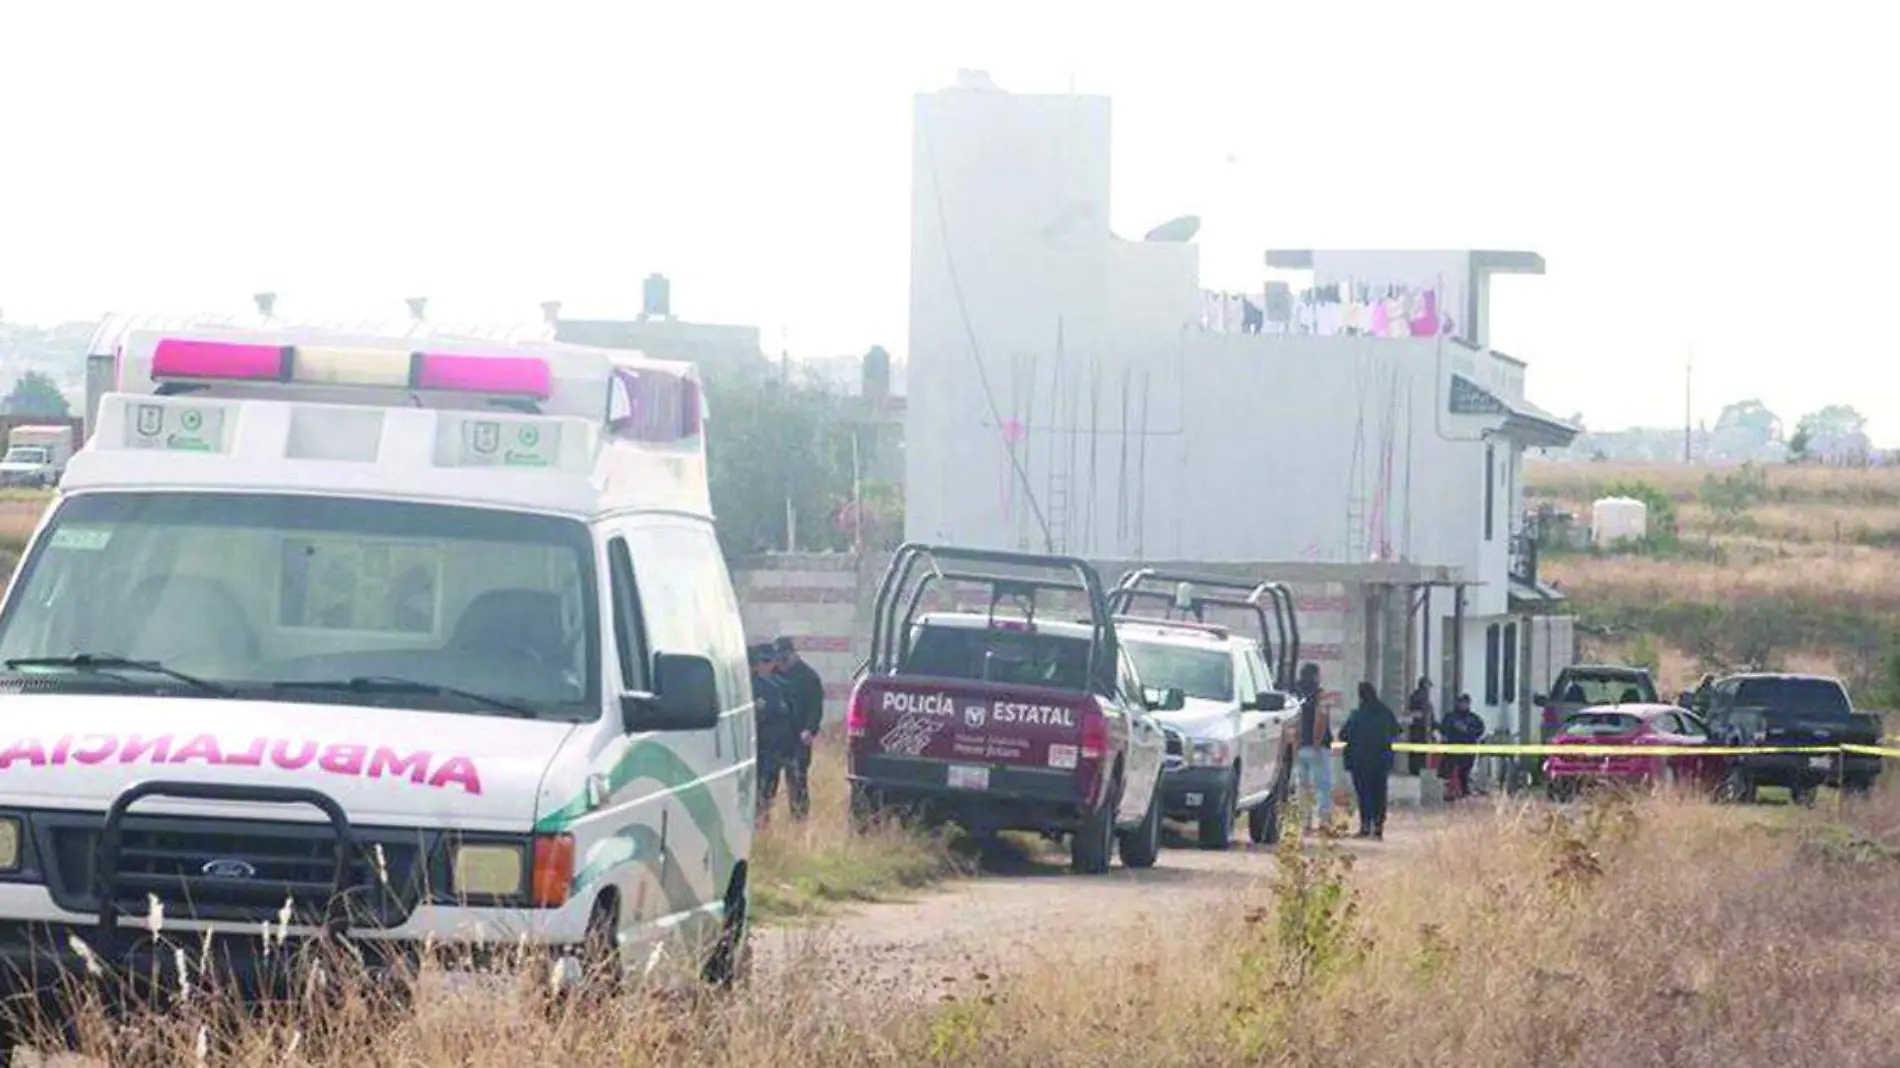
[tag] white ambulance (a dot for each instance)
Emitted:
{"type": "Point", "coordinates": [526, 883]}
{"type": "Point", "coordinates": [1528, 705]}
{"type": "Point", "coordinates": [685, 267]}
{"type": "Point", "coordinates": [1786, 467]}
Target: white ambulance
{"type": "Point", "coordinates": [416, 641]}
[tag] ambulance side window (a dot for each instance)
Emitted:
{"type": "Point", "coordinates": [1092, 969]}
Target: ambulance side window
{"type": "Point", "coordinates": [630, 640]}
{"type": "Point", "coordinates": [687, 600]}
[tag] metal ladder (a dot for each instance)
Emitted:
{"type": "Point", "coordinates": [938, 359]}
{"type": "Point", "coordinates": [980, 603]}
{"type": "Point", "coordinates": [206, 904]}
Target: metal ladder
{"type": "Point", "coordinates": [1356, 549]}
{"type": "Point", "coordinates": [1059, 511]}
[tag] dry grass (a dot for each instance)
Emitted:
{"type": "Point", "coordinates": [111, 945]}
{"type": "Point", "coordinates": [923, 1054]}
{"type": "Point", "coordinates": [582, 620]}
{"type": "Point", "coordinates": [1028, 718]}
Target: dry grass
{"type": "Point", "coordinates": [801, 869]}
{"type": "Point", "coordinates": [19, 514]}
{"type": "Point", "coordinates": [1800, 572]}
{"type": "Point", "coordinates": [1677, 670]}
{"type": "Point", "coordinates": [1615, 934]}
{"type": "Point", "coordinates": [1847, 578]}
{"type": "Point", "coordinates": [1848, 486]}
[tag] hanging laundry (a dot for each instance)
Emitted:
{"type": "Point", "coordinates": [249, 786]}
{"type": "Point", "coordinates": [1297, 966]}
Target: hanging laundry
{"type": "Point", "coordinates": [1426, 323]}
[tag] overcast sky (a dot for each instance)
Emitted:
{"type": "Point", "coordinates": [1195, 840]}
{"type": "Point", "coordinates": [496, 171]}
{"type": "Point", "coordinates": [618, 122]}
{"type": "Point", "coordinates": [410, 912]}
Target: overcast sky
{"type": "Point", "coordinates": [1715, 177]}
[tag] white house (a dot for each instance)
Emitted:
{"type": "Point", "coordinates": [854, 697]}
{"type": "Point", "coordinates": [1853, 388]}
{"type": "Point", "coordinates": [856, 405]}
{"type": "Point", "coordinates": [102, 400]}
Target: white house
{"type": "Point", "coordinates": [1075, 391]}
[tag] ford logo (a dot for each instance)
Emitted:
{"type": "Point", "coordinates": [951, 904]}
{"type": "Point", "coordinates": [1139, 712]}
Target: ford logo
{"type": "Point", "coordinates": [229, 868]}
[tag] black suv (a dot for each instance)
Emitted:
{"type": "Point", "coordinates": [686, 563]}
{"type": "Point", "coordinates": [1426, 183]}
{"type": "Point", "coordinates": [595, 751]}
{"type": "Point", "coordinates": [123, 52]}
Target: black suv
{"type": "Point", "coordinates": [1792, 711]}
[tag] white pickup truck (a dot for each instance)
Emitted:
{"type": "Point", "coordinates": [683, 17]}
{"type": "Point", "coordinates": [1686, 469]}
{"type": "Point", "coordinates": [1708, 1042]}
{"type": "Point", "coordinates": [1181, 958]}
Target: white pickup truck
{"type": "Point", "coordinates": [36, 455]}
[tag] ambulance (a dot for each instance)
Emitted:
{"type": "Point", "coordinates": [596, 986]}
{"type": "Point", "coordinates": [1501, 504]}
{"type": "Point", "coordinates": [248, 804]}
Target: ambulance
{"type": "Point", "coordinates": [409, 641]}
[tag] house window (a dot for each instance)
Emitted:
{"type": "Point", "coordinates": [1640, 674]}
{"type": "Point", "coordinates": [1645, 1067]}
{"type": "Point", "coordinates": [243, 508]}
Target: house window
{"type": "Point", "coordinates": [1490, 489]}
{"type": "Point", "coordinates": [1509, 685]}
{"type": "Point", "coordinates": [1491, 658]}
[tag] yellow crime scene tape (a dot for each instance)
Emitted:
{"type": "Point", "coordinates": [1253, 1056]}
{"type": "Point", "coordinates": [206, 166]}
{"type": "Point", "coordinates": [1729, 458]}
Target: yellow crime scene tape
{"type": "Point", "coordinates": [1584, 750]}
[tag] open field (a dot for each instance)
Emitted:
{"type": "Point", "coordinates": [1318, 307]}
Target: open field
{"type": "Point", "coordinates": [1613, 934]}
{"type": "Point", "coordinates": [1786, 567]}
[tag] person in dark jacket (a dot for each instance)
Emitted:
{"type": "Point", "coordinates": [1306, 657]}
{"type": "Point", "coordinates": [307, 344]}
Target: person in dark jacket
{"type": "Point", "coordinates": [1462, 727]}
{"type": "Point", "coordinates": [1418, 722]}
{"type": "Point", "coordinates": [806, 692]}
{"type": "Point", "coordinates": [776, 729]}
{"type": "Point", "coordinates": [1704, 691]}
{"type": "Point", "coordinates": [1368, 734]}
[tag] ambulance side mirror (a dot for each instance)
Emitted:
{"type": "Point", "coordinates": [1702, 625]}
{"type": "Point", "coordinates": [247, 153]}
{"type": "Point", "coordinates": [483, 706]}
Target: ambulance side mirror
{"type": "Point", "coordinates": [685, 697]}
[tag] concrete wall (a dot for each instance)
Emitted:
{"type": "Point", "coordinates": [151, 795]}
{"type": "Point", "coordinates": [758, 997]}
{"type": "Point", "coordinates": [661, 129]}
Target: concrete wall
{"type": "Point", "coordinates": [1228, 448]}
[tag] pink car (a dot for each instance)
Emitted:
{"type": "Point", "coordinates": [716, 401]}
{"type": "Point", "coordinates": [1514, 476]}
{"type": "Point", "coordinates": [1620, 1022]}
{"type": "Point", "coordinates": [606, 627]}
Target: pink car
{"type": "Point", "coordinates": [1645, 725]}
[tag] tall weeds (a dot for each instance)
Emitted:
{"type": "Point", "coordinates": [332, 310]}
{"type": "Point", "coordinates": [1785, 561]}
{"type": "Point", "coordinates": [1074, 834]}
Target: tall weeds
{"type": "Point", "coordinates": [1619, 932]}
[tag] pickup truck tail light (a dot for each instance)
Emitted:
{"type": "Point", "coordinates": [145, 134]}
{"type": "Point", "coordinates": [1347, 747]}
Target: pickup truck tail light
{"type": "Point", "coordinates": [857, 715]}
{"type": "Point", "coordinates": [1094, 731]}
{"type": "Point", "coordinates": [1092, 768]}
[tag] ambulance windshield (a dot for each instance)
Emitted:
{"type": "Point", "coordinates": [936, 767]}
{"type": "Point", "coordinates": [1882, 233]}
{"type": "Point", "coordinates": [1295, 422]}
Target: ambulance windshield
{"type": "Point", "coordinates": [312, 599]}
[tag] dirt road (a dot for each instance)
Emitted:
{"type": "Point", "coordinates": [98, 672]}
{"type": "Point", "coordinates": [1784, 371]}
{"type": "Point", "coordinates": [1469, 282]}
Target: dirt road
{"type": "Point", "coordinates": [997, 922]}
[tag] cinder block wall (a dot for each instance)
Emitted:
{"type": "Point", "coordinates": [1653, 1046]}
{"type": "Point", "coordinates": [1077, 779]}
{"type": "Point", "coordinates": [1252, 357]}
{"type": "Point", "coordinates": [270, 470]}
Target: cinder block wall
{"type": "Point", "coordinates": [813, 598]}
{"type": "Point", "coordinates": [823, 602]}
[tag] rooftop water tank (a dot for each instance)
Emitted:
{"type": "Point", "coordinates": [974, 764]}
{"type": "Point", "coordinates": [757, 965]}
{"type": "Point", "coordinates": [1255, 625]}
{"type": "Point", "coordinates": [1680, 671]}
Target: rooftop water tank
{"type": "Point", "coordinates": [1618, 519]}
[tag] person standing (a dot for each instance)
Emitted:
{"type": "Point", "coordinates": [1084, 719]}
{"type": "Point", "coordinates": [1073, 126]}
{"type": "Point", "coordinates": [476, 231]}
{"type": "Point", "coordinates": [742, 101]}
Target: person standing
{"type": "Point", "coordinates": [775, 729]}
{"type": "Point", "coordinates": [1418, 722]}
{"type": "Point", "coordinates": [1704, 690]}
{"type": "Point", "coordinates": [1368, 734]}
{"type": "Point", "coordinates": [1462, 727]}
{"type": "Point", "coordinates": [1312, 737]}
{"type": "Point", "coordinates": [806, 693]}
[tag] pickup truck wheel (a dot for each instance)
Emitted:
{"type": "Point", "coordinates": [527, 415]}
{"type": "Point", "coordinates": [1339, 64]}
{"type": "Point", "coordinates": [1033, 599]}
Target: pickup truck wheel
{"type": "Point", "coordinates": [865, 809]}
{"type": "Point", "coordinates": [1737, 788]}
{"type": "Point", "coordinates": [1217, 826]}
{"type": "Point", "coordinates": [1141, 847]}
{"type": "Point", "coordinates": [1094, 841]}
{"type": "Point", "coordinates": [1263, 820]}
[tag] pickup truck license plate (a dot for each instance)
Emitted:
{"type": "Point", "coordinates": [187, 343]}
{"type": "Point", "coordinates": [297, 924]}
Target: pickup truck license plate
{"type": "Point", "coordinates": [965, 777]}
{"type": "Point", "coordinates": [1821, 762]}
{"type": "Point", "coordinates": [1192, 800]}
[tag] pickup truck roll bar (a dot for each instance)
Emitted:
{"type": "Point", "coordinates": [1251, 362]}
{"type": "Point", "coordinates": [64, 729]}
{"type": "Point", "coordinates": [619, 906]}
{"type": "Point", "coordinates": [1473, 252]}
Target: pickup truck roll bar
{"type": "Point", "coordinates": [1279, 639]}
{"type": "Point", "coordinates": [915, 567]}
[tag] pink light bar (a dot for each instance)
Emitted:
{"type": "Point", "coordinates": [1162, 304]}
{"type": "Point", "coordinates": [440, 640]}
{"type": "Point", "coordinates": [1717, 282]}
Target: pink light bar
{"type": "Point", "coordinates": [512, 375]}
{"type": "Point", "coordinates": [182, 358]}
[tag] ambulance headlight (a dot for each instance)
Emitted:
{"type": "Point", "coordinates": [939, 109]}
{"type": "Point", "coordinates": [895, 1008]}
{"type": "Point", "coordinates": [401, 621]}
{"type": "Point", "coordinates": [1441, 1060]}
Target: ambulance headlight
{"type": "Point", "coordinates": [9, 844]}
{"type": "Point", "coordinates": [488, 870]}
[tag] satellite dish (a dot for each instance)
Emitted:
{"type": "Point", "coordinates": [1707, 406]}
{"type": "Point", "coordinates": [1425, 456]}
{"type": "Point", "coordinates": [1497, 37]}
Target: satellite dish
{"type": "Point", "coordinates": [1176, 231]}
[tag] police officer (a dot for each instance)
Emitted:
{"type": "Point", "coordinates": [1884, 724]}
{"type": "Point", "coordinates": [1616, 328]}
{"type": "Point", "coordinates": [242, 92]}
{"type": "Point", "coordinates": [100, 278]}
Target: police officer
{"type": "Point", "coordinates": [806, 692]}
{"type": "Point", "coordinates": [777, 731]}
{"type": "Point", "coordinates": [1462, 727]}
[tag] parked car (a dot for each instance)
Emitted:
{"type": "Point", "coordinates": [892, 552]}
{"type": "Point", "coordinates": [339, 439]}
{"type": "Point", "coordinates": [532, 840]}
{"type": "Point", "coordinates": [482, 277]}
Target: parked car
{"type": "Point", "coordinates": [1582, 686]}
{"type": "Point", "coordinates": [1641, 725]}
{"type": "Point", "coordinates": [1006, 720]}
{"type": "Point", "coordinates": [1792, 711]}
{"type": "Point", "coordinates": [1226, 755]}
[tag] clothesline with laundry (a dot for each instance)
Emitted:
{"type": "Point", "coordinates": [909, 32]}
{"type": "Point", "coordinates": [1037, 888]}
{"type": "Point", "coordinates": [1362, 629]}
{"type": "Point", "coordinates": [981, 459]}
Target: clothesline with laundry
{"type": "Point", "coordinates": [1352, 308]}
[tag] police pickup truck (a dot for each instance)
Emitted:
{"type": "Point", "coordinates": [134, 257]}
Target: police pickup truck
{"type": "Point", "coordinates": [1225, 751]}
{"type": "Point", "coordinates": [1006, 720]}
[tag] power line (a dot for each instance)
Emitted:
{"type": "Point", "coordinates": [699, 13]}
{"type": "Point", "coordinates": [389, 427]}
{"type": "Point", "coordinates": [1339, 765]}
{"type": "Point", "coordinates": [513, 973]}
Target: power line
{"type": "Point", "coordinates": [976, 352]}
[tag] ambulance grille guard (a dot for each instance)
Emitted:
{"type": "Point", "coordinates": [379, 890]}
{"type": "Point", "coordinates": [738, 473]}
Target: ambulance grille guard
{"type": "Point", "coordinates": [234, 870]}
